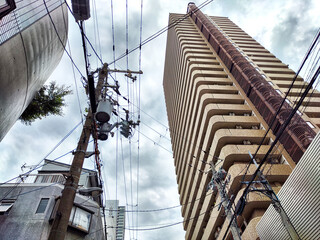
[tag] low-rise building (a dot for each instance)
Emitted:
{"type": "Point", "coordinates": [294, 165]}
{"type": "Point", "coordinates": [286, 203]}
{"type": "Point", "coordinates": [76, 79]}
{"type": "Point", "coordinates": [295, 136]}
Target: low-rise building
{"type": "Point", "coordinates": [28, 206]}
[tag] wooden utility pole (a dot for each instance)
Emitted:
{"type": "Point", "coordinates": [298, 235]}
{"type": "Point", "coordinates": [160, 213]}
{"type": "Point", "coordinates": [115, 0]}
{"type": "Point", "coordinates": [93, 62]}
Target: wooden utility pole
{"type": "Point", "coordinates": [61, 219]}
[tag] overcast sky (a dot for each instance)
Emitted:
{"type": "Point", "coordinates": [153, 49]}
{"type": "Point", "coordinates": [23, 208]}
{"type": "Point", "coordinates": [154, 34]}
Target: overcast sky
{"type": "Point", "coordinates": [286, 28]}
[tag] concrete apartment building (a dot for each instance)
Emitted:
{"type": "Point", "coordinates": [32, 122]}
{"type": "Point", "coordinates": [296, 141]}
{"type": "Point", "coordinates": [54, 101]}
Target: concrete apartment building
{"type": "Point", "coordinates": [30, 48]}
{"type": "Point", "coordinates": [222, 89]}
{"type": "Point", "coordinates": [115, 219]}
{"type": "Point", "coordinates": [27, 208]}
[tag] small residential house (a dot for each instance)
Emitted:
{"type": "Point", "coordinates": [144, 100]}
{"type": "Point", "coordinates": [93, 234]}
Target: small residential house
{"type": "Point", "coordinates": [28, 206]}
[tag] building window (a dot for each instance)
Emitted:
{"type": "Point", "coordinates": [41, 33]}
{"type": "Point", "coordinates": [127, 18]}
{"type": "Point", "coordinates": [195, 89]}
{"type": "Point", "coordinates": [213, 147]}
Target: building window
{"type": "Point", "coordinates": [42, 205]}
{"type": "Point", "coordinates": [310, 124]}
{"type": "Point", "coordinates": [80, 218]}
{"type": "Point", "coordinates": [288, 101]}
{"type": "Point", "coordinates": [6, 6]}
{"type": "Point", "coordinates": [110, 211]}
{"type": "Point", "coordinates": [299, 113]}
{"type": "Point", "coordinates": [5, 206]}
{"type": "Point", "coordinates": [270, 83]}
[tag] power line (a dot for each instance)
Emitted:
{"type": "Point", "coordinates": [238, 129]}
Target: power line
{"type": "Point", "coordinates": [160, 32]}
{"type": "Point", "coordinates": [283, 101]}
{"type": "Point", "coordinates": [52, 150]}
{"type": "Point", "coordinates": [173, 224]}
{"type": "Point", "coordinates": [85, 36]}
{"type": "Point", "coordinates": [55, 29]}
{"type": "Point", "coordinates": [245, 192]}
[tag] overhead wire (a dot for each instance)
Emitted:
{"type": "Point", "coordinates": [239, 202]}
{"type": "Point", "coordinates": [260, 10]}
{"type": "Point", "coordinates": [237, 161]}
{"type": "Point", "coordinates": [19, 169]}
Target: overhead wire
{"type": "Point", "coordinates": [113, 39]}
{"type": "Point", "coordinates": [51, 151]}
{"type": "Point", "coordinates": [246, 190]}
{"type": "Point", "coordinates": [160, 32]}
{"type": "Point", "coordinates": [60, 40]}
{"type": "Point", "coordinates": [297, 105]}
{"type": "Point", "coordinates": [125, 182]}
{"type": "Point", "coordinates": [283, 101]}
{"type": "Point", "coordinates": [160, 227]}
{"type": "Point", "coordinates": [139, 116]}
{"type": "Point", "coordinates": [84, 35]}
{"type": "Point", "coordinates": [172, 132]}
{"type": "Point", "coordinates": [76, 86]}
{"type": "Point", "coordinates": [97, 26]}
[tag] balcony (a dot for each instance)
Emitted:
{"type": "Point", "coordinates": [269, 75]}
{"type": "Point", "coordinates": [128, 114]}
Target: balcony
{"type": "Point", "coordinates": [42, 178]}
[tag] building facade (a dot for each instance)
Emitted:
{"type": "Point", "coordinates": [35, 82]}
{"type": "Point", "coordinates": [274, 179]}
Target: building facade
{"type": "Point", "coordinates": [115, 219]}
{"type": "Point", "coordinates": [27, 208]}
{"type": "Point", "coordinates": [222, 89]}
{"type": "Point", "coordinates": [299, 196]}
{"type": "Point", "coordinates": [31, 46]}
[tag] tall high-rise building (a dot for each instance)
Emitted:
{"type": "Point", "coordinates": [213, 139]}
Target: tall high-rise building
{"type": "Point", "coordinates": [33, 34]}
{"type": "Point", "coordinates": [115, 220]}
{"type": "Point", "coordinates": [222, 91]}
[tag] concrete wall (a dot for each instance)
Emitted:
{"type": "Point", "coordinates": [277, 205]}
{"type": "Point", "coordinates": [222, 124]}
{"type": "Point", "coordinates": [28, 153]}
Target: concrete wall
{"type": "Point", "coordinates": [27, 60]}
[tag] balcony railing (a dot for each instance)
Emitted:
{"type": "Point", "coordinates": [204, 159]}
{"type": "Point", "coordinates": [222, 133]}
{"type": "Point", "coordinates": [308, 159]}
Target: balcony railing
{"type": "Point", "coordinates": [41, 178]}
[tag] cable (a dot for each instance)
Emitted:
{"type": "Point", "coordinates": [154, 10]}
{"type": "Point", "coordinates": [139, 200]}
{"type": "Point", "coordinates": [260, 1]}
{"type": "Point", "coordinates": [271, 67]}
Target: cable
{"type": "Point", "coordinates": [54, 148]}
{"type": "Point", "coordinates": [173, 224]}
{"type": "Point", "coordinates": [155, 143]}
{"type": "Point", "coordinates": [124, 180]}
{"type": "Point", "coordinates": [40, 188]}
{"type": "Point", "coordinates": [245, 192]}
{"type": "Point", "coordinates": [283, 100]}
{"type": "Point", "coordinates": [139, 106]}
{"type": "Point", "coordinates": [113, 41]}
{"type": "Point", "coordinates": [76, 86]}
{"type": "Point", "coordinates": [97, 26]}
{"type": "Point", "coordinates": [160, 32]}
{"type": "Point", "coordinates": [55, 29]}
{"type": "Point", "coordinates": [85, 36]}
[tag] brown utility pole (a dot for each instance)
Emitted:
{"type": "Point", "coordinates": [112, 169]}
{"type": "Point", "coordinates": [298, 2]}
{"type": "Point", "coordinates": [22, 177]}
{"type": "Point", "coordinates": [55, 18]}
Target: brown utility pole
{"type": "Point", "coordinates": [61, 219]}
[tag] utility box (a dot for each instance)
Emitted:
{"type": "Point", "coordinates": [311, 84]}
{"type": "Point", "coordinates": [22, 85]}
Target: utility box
{"type": "Point", "coordinates": [81, 9]}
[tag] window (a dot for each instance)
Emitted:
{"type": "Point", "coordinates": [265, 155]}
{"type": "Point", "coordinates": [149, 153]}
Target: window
{"type": "Point", "coordinates": [299, 113]}
{"type": "Point", "coordinates": [271, 83]}
{"type": "Point", "coordinates": [6, 6]}
{"type": "Point", "coordinates": [310, 124]}
{"type": "Point", "coordinates": [5, 206]}
{"type": "Point", "coordinates": [288, 101]}
{"type": "Point", "coordinates": [42, 205]}
{"type": "Point", "coordinates": [80, 218]}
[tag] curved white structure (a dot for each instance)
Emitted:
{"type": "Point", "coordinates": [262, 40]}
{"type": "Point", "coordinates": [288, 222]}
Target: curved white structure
{"type": "Point", "coordinates": [30, 49]}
